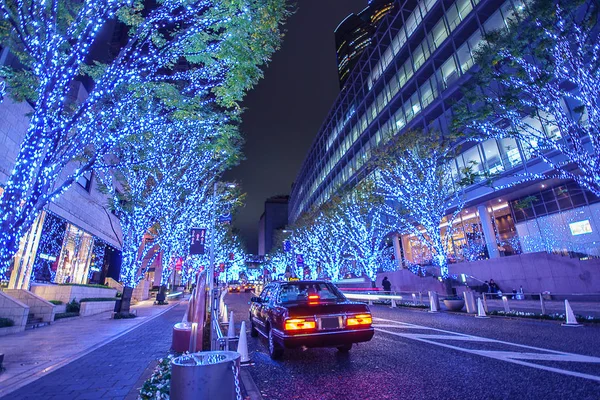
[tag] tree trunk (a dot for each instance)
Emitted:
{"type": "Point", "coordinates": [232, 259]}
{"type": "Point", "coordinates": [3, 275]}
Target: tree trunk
{"type": "Point", "coordinates": [126, 300]}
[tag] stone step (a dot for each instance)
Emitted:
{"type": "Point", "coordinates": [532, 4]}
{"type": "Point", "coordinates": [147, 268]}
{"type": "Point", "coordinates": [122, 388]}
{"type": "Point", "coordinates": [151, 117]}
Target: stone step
{"type": "Point", "coordinates": [37, 324]}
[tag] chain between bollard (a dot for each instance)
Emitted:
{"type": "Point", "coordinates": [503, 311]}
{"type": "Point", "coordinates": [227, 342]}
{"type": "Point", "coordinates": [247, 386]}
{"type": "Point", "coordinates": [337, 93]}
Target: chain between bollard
{"type": "Point", "coordinates": [236, 380]}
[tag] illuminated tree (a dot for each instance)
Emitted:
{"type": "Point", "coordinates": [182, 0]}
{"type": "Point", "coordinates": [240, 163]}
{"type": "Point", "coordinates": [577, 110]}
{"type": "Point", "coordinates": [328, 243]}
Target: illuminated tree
{"type": "Point", "coordinates": [365, 222]}
{"type": "Point", "coordinates": [415, 176]}
{"type": "Point", "coordinates": [212, 46]}
{"type": "Point", "coordinates": [155, 174]}
{"type": "Point", "coordinates": [538, 82]}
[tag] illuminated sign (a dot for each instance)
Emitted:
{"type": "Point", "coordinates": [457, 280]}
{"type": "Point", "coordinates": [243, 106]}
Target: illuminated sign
{"type": "Point", "coordinates": [197, 241]}
{"type": "Point", "coordinates": [580, 228]}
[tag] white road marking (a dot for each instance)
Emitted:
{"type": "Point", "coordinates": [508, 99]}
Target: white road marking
{"type": "Point", "coordinates": [514, 357]}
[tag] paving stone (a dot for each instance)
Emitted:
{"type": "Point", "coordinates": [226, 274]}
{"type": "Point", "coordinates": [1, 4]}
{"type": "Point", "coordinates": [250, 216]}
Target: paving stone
{"type": "Point", "coordinates": [110, 371]}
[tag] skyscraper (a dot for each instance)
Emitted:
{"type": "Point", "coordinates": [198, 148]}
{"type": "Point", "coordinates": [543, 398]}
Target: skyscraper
{"type": "Point", "coordinates": [354, 35]}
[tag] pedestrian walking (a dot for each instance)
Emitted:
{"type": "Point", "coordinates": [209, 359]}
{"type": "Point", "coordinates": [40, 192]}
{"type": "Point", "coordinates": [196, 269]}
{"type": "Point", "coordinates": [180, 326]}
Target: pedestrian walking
{"type": "Point", "coordinates": [387, 285]}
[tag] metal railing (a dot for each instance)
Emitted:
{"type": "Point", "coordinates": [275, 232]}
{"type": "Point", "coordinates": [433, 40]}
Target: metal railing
{"type": "Point", "coordinates": [544, 304]}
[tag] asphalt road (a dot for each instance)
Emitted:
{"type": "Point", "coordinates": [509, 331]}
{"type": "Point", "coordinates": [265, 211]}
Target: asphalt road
{"type": "Point", "coordinates": [418, 355]}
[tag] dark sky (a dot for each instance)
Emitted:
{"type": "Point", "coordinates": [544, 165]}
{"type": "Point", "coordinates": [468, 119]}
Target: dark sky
{"type": "Point", "coordinates": [287, 108]}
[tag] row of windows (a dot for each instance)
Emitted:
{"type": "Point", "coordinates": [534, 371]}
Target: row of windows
{"type": "Point", "coordinates": [413, 106]}
{"type": "Point", "coordinates": [455, 65]}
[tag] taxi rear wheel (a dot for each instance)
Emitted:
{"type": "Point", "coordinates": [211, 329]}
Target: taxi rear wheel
{"type": "Point", "coordinates": [345, 348]}
{"type": "Point", "coordinates": [253, 331]}
{"type": "Point", "coordinates": [275, 351]}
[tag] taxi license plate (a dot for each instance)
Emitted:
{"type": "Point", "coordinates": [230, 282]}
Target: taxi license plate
{"type": "Point", "coordinates": [330, 323]}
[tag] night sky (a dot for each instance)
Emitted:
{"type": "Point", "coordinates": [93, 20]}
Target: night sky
{"type": "Point", "coordinates": [286, 109]}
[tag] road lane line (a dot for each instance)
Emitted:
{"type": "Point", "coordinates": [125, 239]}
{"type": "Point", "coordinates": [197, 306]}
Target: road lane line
{"type": "Point", "coordinates": [479, 337]}
{"type": "Point", "coordinates": [507, 356]}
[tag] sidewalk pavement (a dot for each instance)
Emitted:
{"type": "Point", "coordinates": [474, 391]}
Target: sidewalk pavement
{"type": "Point", "coordinates": [31, 354]}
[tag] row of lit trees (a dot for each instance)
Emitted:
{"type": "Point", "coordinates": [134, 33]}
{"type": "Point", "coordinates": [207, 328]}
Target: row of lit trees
{"type": "Point", "coordinates": [545, 67]}
{"type": "Point", "coordinates": [159, 124]}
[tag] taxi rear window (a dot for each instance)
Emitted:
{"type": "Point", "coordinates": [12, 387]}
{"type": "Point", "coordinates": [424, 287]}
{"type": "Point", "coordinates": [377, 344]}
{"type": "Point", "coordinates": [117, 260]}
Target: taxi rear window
{"type": "Point", "coordinates": [299, 292]}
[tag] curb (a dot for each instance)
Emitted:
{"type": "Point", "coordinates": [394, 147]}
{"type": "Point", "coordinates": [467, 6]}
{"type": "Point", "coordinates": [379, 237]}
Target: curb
{"type": "Point", "coordinates": [252, 391]}
{"type": "Point", "coordinates": [11, 387]}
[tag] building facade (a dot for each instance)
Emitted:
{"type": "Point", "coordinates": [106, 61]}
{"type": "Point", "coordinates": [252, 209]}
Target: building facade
{"type": "Point", "coordinates": [354, 34]}
{"type": "Point", "coordinates": [273, 219]}
{"type": "Point", "coordinates": [408, 79]}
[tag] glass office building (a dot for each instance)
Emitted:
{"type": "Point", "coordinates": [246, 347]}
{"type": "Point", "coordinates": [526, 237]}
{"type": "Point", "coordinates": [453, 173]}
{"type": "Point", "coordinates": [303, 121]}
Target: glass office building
{"type": "Point", "coordinates": [408, 78]}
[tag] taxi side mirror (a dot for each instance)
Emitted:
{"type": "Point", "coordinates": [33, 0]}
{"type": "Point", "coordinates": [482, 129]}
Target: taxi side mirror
{"type": "Point", "coordinates": [256, 300]}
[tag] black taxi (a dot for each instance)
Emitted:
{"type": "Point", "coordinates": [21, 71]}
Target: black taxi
{"type": "Point", "coordinates": [308, 313]}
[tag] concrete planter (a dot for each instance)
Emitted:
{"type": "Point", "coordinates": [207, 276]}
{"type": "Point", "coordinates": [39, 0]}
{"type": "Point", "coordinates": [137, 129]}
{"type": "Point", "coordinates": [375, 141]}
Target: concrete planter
{"type": "Point", "coordinates": [454, 305]}
{"type": "Point", "coordinates": [96, 307]}
{"type": "Point", "coordinates": [66, 293]}
{"type": "Point", "coordinates": [61, 308]}
{"type": "Point", "coordinates": [13, 309]}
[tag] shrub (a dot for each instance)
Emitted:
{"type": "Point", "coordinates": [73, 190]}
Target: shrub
{"type": "Point", "coordinates": [55, 302]}
{"type": "Point", "coordinates": [73, 307]}
{"type": "Point", "coordinates": [84, 285]}
{"type": "Point", "coordinates": [159, 383]}
{"type": "Point", "coordinates": [65, 315]}
{"type": "Point", "coordinates": [124, 315]}
{"type": "Point", "coordinates": [91, 299]}
{"type": "Point", "coordinates": [6, 322]}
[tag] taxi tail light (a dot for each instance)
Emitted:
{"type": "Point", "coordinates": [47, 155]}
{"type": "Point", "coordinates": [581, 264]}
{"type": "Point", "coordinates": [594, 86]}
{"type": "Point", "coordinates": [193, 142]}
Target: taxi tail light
{"type": "Point", "coordinates": [313, 299]}
{"type": "Point", "coordinates": [297, 324]}
{"type": "Point", "coordinates": [359, 320]}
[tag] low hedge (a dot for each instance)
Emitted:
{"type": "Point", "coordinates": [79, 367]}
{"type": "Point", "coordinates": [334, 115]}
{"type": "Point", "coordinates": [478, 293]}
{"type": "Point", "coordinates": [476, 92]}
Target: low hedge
{"type": "Point", "coordinates": [6, 322]}
{"type": "Point", "coordinates": [92, 299]}
{"type": "Point", "coordinates": [65, 315]}
{"type": "Point", "coordinates": [92, 285]}
{"type": "Point", "coordinates": [55, 302]}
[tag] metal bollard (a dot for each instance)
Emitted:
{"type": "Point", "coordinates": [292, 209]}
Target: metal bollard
{"type": "Point", "coordinates": [505, 303]}
{"type": "Point", "coordinates": [420, 298]}
{"type": "Point", "coordinates": [434, 303]}
{"type": "Point", "coordinates": [205, 376]}
{"type": "Point", "coordinates": [485, 307]}
{"type": "Point", "coordinates": [414, 297]}
{"type": "Point", "coordinates": [470, 302]}
{"type": "Point", "coordinates": [542, 304]}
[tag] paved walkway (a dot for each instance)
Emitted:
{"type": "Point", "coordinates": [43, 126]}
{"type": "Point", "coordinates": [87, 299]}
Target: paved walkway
{"type": "Point", "coordinates": [100, 369]}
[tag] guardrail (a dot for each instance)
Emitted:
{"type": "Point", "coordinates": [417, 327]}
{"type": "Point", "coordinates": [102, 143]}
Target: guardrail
{"type": "Point", "coordinates": [543, 305]}
{"type": "Point", "coordinates": [412, 299]}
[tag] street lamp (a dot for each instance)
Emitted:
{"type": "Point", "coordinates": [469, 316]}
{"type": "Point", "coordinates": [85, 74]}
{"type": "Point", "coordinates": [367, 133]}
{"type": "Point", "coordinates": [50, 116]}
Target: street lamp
{"type": "Point", "coordinates": [291, 264]}
{"type": "Point", "coordinates": [211, 271]}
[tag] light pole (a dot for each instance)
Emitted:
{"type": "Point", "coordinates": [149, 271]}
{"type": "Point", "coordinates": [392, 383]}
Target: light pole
{"type": "Point", "coordinates": [214, 295]}
{"type": "Point", "coordinates": [291, 249]}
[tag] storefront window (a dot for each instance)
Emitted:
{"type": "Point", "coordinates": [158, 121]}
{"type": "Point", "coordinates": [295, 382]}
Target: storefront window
{"type": "Point", "coordinates": [49, 249]}
{"type": "Point", "coordinates": [75, 258]}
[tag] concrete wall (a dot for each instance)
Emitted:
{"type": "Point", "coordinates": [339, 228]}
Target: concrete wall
{"type": "Point", "coordinates": [66, 293]}
{"type": "Point", "coordinates": [536, 272]}
{"type": "Point", "coordinates": [110, 282]}
{"type": "Point", "coordinates": [405, 281]}
{"type": "Point", "coordinates": [15, 310]}
{"type": "Point", "coordinates": [39, 307]}
{"type": "Point", "coordinates": [142, 290]}
{"type": "Point", "coordinates": [96, 307]}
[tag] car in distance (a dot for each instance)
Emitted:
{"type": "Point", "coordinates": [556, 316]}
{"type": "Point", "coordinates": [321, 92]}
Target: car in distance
{"type": "Point", "coordinates": [248, 287]}
{"type": "Point", "coordinates": [234, 286]}
{"type": "Point", "coordinates": [308, 313]}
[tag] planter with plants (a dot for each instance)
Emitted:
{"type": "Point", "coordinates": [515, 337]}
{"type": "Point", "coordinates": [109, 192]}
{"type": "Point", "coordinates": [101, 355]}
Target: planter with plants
{"type": "Point", "coordinates": [454, 303]}
{"type": "Point", "coordinates": [59, 306]}
{"type": "Point", "coordinates": [97, 305]}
